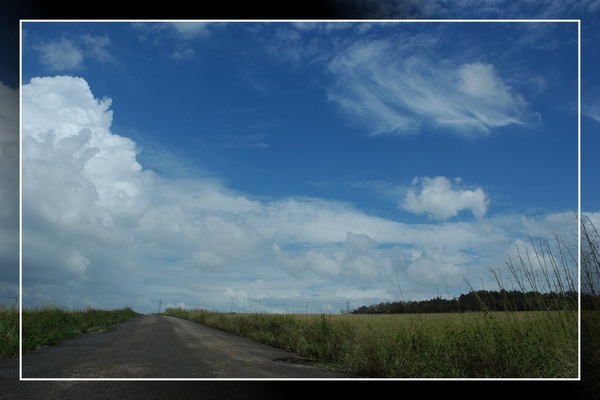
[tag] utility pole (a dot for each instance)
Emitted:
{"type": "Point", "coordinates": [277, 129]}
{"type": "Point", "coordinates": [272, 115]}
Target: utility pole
{"type": "Point", "coordinates": [398, 282]}
{"type": "Point", "coordinates": [159, 305]}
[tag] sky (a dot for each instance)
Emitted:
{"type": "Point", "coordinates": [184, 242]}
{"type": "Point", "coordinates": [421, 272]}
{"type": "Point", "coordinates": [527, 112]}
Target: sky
{"type": "Point", "coordinates": [294, 166]}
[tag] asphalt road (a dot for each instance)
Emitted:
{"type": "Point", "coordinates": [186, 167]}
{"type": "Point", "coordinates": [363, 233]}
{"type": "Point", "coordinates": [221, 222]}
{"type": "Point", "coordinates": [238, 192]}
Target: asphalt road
{"type": "Point", "coordinates": [174, 357]}
{"type": "Point", "coordinates": [160, 357]}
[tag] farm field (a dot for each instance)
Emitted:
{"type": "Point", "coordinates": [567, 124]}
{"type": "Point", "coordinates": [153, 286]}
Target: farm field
{"type": "Point", "coordinates": [541, 344]}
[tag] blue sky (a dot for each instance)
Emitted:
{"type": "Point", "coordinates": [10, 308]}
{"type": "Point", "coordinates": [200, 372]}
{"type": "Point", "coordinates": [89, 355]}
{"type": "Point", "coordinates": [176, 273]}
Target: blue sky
{"type": "Point", "coordinates": [267, 166]}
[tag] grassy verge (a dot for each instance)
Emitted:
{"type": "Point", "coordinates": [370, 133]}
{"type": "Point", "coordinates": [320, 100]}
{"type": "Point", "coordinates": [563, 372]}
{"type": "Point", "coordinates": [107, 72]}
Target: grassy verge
{"type": "Point", "coordinates": [49, 326]}
{"type": "Point", "coordinates": [9, 331]}
{"type": "Point", "coordinates": [506, 344]}
{"type": "Point", "coordinates": [590, 307]}
{"type": "Point", "coordinates": [461, 345]}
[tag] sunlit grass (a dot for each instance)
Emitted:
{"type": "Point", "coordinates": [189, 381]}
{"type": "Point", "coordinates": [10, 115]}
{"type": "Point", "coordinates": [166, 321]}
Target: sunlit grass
{"type": "Point", "coordinates": [507, 344]}
{"type": "Point", "coordinates": [458, 345]}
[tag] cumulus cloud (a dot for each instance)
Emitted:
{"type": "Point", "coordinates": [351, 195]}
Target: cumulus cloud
{"type": "Point", "coordinates": [437, 198]}
{"type": "Point", "coordinates": [91, 213]}
{"type": "Point", "coordinates": [9, 193]}
{"type": "Point", "coordinates": [429, 268]}
{"type": "Point", "coordinates": [399, 94]}
{"type": "Point", "coordinates": [101, 230]}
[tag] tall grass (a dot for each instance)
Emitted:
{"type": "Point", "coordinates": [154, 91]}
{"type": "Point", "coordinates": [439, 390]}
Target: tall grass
{"type": "Point", "coordinates": [590, 306]}
{"type": "Point", "coordinates": [460, 345]}
{"type": "Point", "coordinates": [9, 331]}
{"type": "Point", "coordinates": [51, 325]}
{"type": "Point", "coordinates": [509, 344]}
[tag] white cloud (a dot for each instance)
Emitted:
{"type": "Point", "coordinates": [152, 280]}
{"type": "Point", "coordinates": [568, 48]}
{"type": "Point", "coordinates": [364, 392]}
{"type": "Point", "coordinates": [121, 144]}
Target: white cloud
{"type": "Point", "coordinates": [428, 268]}
{"type": "Point", "coordinates": [183, 54]}
{"type": "Point", "coordinates": [592, 110]}
{"type": "Point", "coordinates": [436, 197]}
{"type": "Point", "coordinates": [60, 55]}
{"type": "Point", "coordinates": [393, 91]}
{"type": "Point", "coordinates": [9, 193]}
{"type": "Point", "coordinates": [481, 82]}
{"type": "Point", "coordinates": [96, 47]}
{"type": "Point", "coordinates": [65, 106]}
{"type": "Point", "coordinates": [190, 30]}
{"type": "Point", "coordinates": [9, 114]}
{"type": "Point", "coordinates": [100, 229]}
{"type": "Point", "coordinates": [181, 34]}
{"type": "Point", "coordinates": [77, 262]}
{"type": "Point", "coordinates": [70, 53]}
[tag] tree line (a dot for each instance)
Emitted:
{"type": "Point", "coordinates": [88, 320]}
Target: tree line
{"type": "Point", "coordinates": [480, 300]}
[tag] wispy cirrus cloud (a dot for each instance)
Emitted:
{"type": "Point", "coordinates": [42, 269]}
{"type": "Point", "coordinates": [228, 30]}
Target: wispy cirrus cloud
{"type": "Point", "coordinates": [397, 93]}
{"type": "Point", "coordinates": [592, 110]}
{"type": "Point", "coordinates": [60, 55]}
{"type": "Point", "coordinates": [70, 53]}
{"type": "Point", "coordinates": [190, 29]}
{"type": "Point", "coordinates": [182, 34]}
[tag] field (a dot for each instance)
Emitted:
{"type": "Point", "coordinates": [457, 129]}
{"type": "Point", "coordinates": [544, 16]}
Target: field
{"type": "Point", "coordinates": [509, 344]}
{"type": "Point", "coordinates": [458, 345]}
{"type": "Point", "coordinates": [503, 344]}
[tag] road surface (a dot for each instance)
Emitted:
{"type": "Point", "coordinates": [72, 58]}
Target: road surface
{"type": "Point", "coordinates": [163, 350]}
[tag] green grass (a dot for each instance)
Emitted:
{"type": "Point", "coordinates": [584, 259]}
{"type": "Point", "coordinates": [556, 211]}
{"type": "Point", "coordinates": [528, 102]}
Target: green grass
{"type": "Point", "coordinates": [506, 344]}
{"type": "Point", "coordinates": [51, 325]}
{"type": "Point", "coordinates": [9, 331]}
{"type": "Point", "coordinates": [590, 313]}
{"type": "Point", "coordinates": [458, 345]}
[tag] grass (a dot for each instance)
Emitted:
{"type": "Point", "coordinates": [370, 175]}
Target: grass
{"type": "Point", "coordinates": [51, 325]}
{"type": "Point", "coordinates": [458, 345]}
{"type": "Point", "coordinates": [9, 331]}
{"type": "Point", "coordinates": [539, 344]}
{"type": "Point", "coordinates": [508, 344]}
{"type": "Point", "coordinates": [590, 307]}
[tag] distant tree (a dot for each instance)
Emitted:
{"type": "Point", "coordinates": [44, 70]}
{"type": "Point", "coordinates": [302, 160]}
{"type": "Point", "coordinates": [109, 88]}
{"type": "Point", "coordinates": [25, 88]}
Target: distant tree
{"type": "Point", "coordinates": [480, 300]}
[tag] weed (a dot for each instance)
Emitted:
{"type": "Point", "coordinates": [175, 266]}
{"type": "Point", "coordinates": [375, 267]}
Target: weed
{"type": "Point", "coordinates": [9, 331]}
{"type": "Point", "coordinates": [49, 326]}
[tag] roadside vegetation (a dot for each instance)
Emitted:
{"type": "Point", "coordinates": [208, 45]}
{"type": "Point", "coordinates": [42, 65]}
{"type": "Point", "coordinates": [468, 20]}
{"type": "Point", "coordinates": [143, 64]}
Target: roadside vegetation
{"type": "Point", "coordinates": [531, 331]}
{"type": "Point", "coordinates": [51, 325]}
{"type": "Point", "coordinates": [590, 307]}
{"type": "Point", "coordinates": [9, 331]}
{"type": "Point", "coordinates": [503, 334]}
{"type": "Point", "coordinates": [467, 345]}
